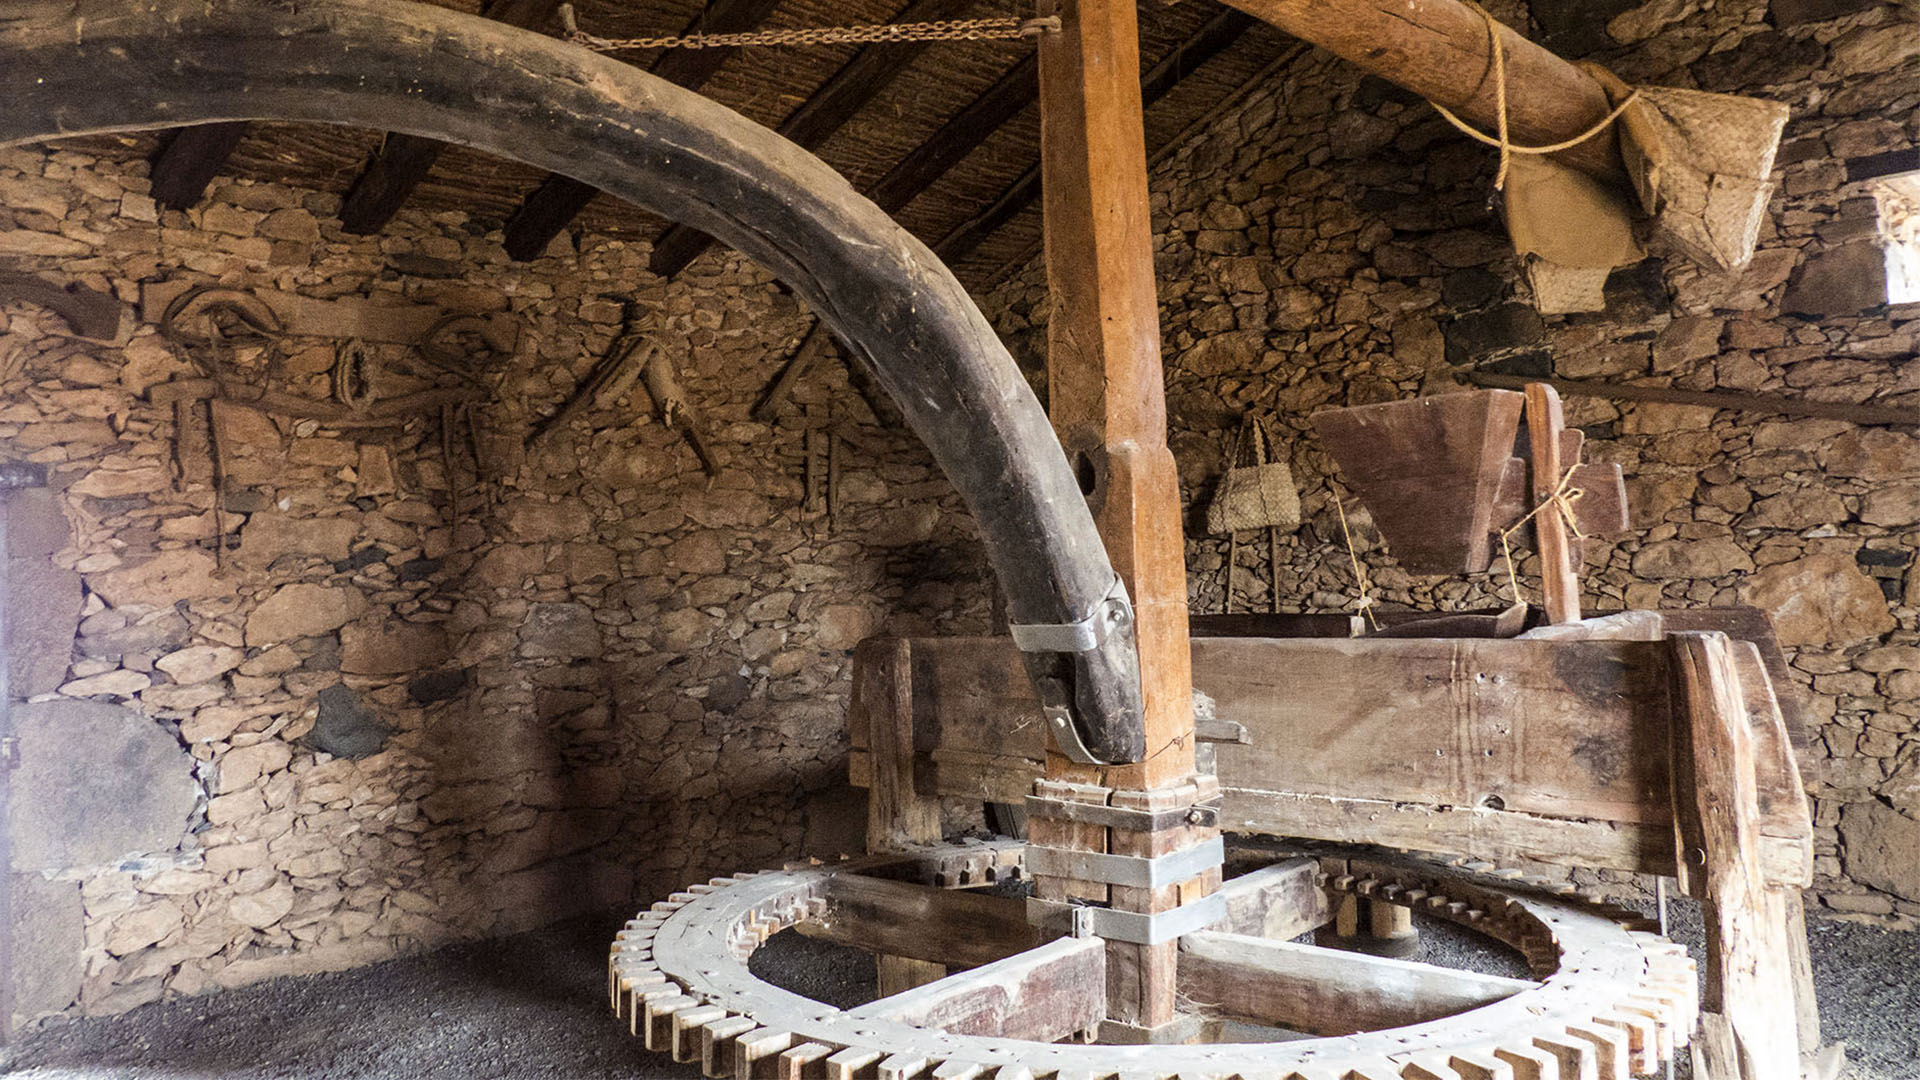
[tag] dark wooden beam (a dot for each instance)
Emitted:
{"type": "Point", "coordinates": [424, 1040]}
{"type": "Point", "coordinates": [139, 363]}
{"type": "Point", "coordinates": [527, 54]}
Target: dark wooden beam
{"type": "Point", "coordinates": [403, 161]}
{"type": "Point", "coordinates": [559, 199]}
{"type": "Point", "coordinates": [958, 137]}
{"type": "Point", "coordinates": [189, 161]}
{"type": "Point", "coordinates": [864, 78]}
{"type": "Point", "coordinates": [1213, 38]}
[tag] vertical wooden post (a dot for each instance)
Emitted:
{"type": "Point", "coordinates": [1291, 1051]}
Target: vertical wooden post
{"type": "Point", "coordinates": [898, 818]}
{"type": "Point", "coordinates": [1545, 422]}
{"type": "Point", "coordinates": [1108, 405]}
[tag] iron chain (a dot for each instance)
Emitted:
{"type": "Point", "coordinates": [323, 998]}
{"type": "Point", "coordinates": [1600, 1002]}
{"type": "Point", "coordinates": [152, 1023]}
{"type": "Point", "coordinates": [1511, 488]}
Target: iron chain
{"type": "Point", "coordinates": [1002, 29]}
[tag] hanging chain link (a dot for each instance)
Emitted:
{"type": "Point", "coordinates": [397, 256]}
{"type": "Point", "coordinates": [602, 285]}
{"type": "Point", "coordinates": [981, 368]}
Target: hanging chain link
{"type": "Point", "coordinates": [1004, 29]}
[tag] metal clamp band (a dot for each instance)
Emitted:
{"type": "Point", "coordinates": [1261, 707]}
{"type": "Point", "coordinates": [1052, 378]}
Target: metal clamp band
{"type": "Point", "coordinates": [1131, 870]}
{"type": "Point", "coordinates": [1111, 613]}
{"type": "Point", "coordinates": [1129, 926]}
{"type": "Point", "coordinates": [1204, 815]}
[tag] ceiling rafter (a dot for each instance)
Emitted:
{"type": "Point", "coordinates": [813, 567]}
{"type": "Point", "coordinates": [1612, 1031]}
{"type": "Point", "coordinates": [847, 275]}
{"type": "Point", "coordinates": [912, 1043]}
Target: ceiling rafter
{"type": "Point", "coordinates": [1214, 37]}
{"type": "Point", "coordinates": [837, 101]}
{"type": "Point", "coordinates": [189, 159]}
{"type": "Point", "coordinates": [552, 206]}
{"type": "Point", "coordinates": [403, 161]}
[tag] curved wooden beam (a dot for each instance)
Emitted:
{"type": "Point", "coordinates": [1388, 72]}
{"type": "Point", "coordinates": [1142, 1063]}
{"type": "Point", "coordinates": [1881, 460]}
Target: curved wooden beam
{"type": "Point", "coordinates": [100, 66]}
{"type": "Point", "coordinates": [1441, 50]}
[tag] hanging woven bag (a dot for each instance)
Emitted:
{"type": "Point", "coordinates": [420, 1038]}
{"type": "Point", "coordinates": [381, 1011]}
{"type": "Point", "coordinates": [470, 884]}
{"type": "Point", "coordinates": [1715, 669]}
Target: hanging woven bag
{"type": "Point", "coordinates": [1257, 492]}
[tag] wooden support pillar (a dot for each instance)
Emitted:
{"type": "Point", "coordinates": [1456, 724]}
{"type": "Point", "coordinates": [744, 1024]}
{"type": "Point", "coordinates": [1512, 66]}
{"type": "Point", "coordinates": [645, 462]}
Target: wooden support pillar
{"type": "Point", "coordinates": [1106, 394]}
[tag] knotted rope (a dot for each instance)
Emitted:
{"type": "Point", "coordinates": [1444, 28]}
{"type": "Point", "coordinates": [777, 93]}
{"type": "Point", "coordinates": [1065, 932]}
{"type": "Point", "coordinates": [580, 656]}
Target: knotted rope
{"type": "Point", "coordinates": [1562, 500]}
{"type": "Point", "coordinates": [1365, 603]}
{"type": "Point", "coordinates": [1503, 139]}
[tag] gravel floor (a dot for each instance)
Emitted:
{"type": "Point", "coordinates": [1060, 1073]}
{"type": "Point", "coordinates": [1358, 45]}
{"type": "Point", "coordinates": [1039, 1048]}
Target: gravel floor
{"type": "Point", "coordinates": [533, 1006]}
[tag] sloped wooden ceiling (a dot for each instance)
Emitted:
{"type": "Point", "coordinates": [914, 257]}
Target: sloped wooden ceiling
{"type": "Point", "coordinates": [1198, 56]}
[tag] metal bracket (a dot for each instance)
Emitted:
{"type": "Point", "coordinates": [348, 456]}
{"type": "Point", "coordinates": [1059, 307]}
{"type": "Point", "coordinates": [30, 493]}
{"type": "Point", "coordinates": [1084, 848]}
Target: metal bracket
{"type": "Point", "coordinates": [1129, 926]}
{"type": "Point", "coordinates": [1113, 612]}
{"type": "Point", "coordinates": [1134, 871]}
{"type": "Point", "coordinates": [1205, 815]}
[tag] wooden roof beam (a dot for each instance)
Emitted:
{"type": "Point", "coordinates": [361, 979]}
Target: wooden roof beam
{"type": "Point", "coordinates": [1213, 38]}
{"type": "Point", "coordinates": [1441, 50]}
{"type": "Point", "coordinates": [864, 78]}
{"type": "Point", "coordinates": [1018, 88]}
{"type": "Point", "coordinates": [552, 206]}
{"type": "Point", "coordinates": [189, 160]}
{"type": "Point", "coordinates": [403, 161]}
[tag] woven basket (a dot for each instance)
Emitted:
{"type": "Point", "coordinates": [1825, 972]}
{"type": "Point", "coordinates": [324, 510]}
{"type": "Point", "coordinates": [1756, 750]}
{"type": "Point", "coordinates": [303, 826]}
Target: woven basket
{"type": "Point", "coordinates": [1257, 492]}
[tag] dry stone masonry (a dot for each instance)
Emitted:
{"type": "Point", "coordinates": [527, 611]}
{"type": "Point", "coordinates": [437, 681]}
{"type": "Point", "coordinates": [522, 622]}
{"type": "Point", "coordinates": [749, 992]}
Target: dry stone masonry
{"type": "Point", "coordinates": [1331, 243]}
{"type": "Point", "coordinates": [361, 725]}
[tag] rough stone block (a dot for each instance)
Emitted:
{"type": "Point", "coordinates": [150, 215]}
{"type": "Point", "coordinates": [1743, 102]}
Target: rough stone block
{"type": "Point", "coordinates": [1844, 280]}
{"type": "Point", "coordinates": [43, 616]}
{"type": "Point", "coordinates": [96, 783]}
{"type": "Point", "coordinates": [48, 939]}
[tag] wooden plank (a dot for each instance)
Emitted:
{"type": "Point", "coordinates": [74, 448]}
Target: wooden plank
{"type": "Point", "coordinates": [827, 110]}
{"type": "Point", "coordinates": [390, 176]}
{"type": "Point", "coordinates": [898, 817]}
{"type": "Point", "coordinates": [1044, 994]}
{"type": "Point", "coordinates": [1280, 902]}
{"type": "Point", "coordinates": [1748, 1021]}
{"type": "Point", "coordinates": [1326, 991]}
{"type": "Point", "coordinates": [959, 928]}
{"type": "Point", "coordinates": [1442, 51]}
{"type": "Point", "coordinates": [189, 160]}
{"type": "Point", "coordinates": [1213, 37]}
{"type": "Point", "coordinates": [552, 206]}
{"type": "Point", "coordinates": [1429, 471]}
{"type": "Point", "coordinates": [1545, 424]}
{"type": "Point", "coordinates": [1771, 404]}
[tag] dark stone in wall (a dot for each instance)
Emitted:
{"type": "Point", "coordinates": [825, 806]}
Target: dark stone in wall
{"type": "Point", "coordinates": [1765, 59]}
{"type": "Point", "coordinates": [437, 686]}
{"type": "Point", "coordinates": [1467, 289]}
{"type": "Point", "coordinates": [1496, 330]}
{"type": "Point", "coordinates": [346, 727]}
{"type": "Point", "coordinates": [1533, 365]}
{"type": "Point", "coordinates": [1574, 28]}
{"type": "Point", "coordinates": [1638, 293]}
{"type": "Point", "coordinates": [1840, 281]}
{"type": "Point", "coordinates": [1785, 13]}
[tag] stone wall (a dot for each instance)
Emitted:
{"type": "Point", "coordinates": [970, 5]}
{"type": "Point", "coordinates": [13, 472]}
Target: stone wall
{"type": "Point", "coordinates": [367, 725]}
{"type": "Point", "coordinates": [1330, 243]}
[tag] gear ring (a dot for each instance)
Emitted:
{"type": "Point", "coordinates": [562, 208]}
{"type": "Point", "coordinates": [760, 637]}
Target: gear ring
{"type": "Point", "coordinates": [1612, 999]}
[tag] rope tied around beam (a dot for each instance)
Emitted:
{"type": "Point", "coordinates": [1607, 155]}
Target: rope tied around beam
{"type": "Point", "coordinates": [1560, 502]}
{"type": "Point", "coordinates": [998, 29]}
{"type": "Point", "coordinates": [1503, 138]}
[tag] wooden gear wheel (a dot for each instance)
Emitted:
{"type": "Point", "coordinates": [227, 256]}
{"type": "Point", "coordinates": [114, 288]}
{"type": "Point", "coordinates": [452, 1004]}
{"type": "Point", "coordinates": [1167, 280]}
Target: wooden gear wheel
{"type": "Point", "coordinates": [1608, 999]}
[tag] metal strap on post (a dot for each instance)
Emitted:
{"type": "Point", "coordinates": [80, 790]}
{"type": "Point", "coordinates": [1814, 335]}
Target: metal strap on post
{"type": "Point", "coordinates": [1113, 612]}
{"type": "Point", "coordinates": [1134, 871]}
{"type": "Point", "coordinates": [1205, 815]}
{"type": "Point", "coordinates": [1129, 926]}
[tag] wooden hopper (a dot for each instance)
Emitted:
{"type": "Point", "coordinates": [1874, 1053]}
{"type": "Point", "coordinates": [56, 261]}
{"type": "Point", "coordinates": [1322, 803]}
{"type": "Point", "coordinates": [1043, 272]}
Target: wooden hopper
{"type": "Point", "coordinates": [1429, 471]}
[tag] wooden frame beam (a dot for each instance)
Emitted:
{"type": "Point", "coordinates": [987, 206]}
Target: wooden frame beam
{"type": "Point", "coordinates": [1213, 38]}
{"type": "Point", "coordinates": [400, 164]}
{"type": "Point", "coordinates": [552, 206]}
{"type": "Point", "coordinates": [849, 90]}
{"type": "Point", "coordinates": [1442, 50]}
{"type": "Point", "coordinates": [189, 160]}
{"type": "Point", "coordinates": [1044, 994]}
{"type": "Point", "coordinates": [1326, 991]}
{"type": "Point", "coordinates": [1013, 91]}
{"type": "Point", "coordinates": [940, 926]}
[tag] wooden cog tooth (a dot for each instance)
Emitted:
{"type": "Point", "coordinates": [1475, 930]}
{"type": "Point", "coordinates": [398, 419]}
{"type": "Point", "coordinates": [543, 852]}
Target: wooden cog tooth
{"type": "Point", "coordinates": [853, 1063]}
{"type": "Point", "coordinates": [757, 1053]}
{"type": "Point", "coordinates": [901, 1067]}
{"type": "Point", "coordinates": [1529, 1063]}
{"type": "Point", "coordinates": [959, 1070]}
{"type": "Point", "coordinates": [659, 1020]}
{"type": "Point", "coordinates": [716, 1043]}
{"type": "Point", "coordinates": [1576, 1058]}
{"type": "Point", "coordinates": [687, 1025]}
{"type": "Point", "coordinates": [1642, 1042]}
{"type": "Point", "coordinates": [804, 1062]}
{"type": "Point", "coordinates": [1610, 1054]}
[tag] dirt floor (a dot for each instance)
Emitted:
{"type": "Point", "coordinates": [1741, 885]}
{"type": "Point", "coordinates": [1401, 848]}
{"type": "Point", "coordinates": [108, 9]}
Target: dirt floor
{"type": "Point", "coordinates": [534, 1006]}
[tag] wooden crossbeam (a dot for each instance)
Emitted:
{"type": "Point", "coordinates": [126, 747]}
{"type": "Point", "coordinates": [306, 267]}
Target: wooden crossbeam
{"type": "Point", "coordinates": [559, 199]}
{"type": "Point", "coordinates": [900, 918]}
{"type": "Point", "coordinates": [1281, 901]}
{"type": "Point", "coordinates": [1044, 994]}
{"type": "Point", "coordinates": [189, 161]}
{"type": "Point", "coordinates": [849, 90]}
{"type": "Point", "coordinates": [1213, 38]}
{"type": "Point", "coordinates": [403, 161]}
{"type": "Point", "coordinates": [1326, 991]}
{"type": "Point", "coordinates": [967, 129]}
{"type": "Point", "coordinates": [1443, 51]}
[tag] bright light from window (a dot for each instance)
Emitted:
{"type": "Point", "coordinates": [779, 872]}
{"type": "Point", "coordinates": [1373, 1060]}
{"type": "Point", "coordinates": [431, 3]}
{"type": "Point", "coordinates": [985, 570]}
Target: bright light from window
{"type": "Point", "coordinates": [1899, 198]}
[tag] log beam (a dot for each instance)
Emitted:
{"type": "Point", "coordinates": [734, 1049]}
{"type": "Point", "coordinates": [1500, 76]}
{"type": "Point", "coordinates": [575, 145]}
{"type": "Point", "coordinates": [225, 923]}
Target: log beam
{"type": "Point", "coordinates": [1043, 994]}
{"type": "Point", "coordinates": [849, 90]}
{"type": "Point", "coordinates": [190, 159]}
{"type": "Point", "coordinates": [403, 161]}
{"type": "Point", "coordinates": [940, 926]}
{"type": "Point", "coordinates": [1441, 50]}
{"type": "Point", "coordinates": [559, 199]}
